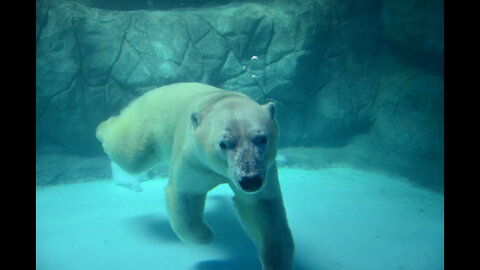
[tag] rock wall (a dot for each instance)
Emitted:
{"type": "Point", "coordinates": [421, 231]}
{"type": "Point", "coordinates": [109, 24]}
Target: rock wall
{"type": "Point", "coordinates": [92, 62]}
{"type": "Point", "coordinates": [366, 76]}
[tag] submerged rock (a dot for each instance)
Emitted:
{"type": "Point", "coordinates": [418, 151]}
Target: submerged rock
{"type": "Point", "coordinates": [416, 24]}
{"type": "Point", "coordinates": [55, 168]}
{"type": "Point", "coordinates": [91, 62]}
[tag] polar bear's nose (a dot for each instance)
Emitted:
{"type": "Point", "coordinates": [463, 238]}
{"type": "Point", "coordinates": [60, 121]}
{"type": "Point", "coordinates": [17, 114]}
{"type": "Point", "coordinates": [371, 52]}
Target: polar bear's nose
{"type": "Point", "coordinates": [251, 183]}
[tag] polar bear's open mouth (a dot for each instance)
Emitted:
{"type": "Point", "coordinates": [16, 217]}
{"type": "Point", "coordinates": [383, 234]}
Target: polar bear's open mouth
{"type": "Point", "coordinates": [251, 183]}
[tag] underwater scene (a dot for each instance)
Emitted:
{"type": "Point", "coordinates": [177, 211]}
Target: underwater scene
{"type": "Point", "coordinates": [239, 135]}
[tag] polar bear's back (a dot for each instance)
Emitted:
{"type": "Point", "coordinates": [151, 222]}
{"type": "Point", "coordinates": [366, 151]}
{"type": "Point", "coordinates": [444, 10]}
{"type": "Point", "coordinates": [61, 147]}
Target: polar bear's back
{"type": "Point", "coordinates": [164, 108]}
{"type": "Point", "coordinates": [142, 134]}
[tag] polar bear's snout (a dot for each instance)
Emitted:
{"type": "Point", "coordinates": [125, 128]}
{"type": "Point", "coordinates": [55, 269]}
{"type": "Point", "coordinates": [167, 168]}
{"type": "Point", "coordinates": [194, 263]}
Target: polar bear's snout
{"type": "Point", "coordinates": [247, 169]}
{"type": "Point", "coordinates": [249, 175]}
{"type": "Point", "coordinates": [251, 183]}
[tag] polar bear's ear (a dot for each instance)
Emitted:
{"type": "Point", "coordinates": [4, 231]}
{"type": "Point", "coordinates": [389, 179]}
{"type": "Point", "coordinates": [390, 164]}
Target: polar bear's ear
{"type": "Point", "coordinates": [270, 107]}
{"type": "Point", "coordinates": [195, 117]}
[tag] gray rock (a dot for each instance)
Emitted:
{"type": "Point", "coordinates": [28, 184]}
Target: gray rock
{"type": "Point", "coordinates": [345, 84]}
{"type": "Point", "coordinates": [92, 62]}
{"type": "Point", "coordinates": [55, 168]}
{"type": "Point", "coordinates": [409, 111]}
{"type": "Point", "coordinates": [416, 24]}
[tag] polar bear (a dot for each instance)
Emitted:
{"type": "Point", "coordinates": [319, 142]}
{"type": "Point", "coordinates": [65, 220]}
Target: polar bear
{"type": "Point", "coordinates": [210, 136]}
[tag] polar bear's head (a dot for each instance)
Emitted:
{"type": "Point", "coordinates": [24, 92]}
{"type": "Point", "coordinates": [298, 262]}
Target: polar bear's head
{"type": "Point", "coordinates": [238, 139]}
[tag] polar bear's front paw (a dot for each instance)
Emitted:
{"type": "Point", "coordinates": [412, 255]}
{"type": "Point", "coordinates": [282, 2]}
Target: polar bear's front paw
{"type": "Point", "coordinates": [200, 234]}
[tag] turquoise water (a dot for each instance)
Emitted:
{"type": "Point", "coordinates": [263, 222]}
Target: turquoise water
{"type": "Point", "coordinates": [358, 93]}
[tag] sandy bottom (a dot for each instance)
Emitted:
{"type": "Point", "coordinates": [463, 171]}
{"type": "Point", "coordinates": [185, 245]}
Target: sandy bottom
{"type": "Point", "coordinates": [340, 219]}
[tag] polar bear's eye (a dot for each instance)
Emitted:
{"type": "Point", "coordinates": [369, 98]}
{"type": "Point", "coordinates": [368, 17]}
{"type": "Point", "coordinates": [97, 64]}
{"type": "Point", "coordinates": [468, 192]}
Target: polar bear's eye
{"type": "Point", "coordinates": [227, 144]}
{"type": "Point", "coordinates": [223, 145]}
{"type": "Point", "coordinates": [260, 140]}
